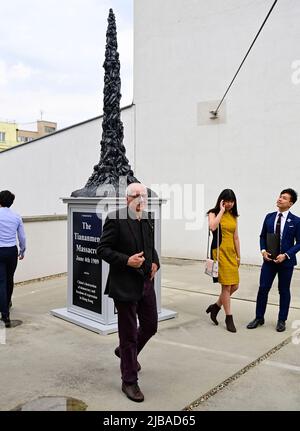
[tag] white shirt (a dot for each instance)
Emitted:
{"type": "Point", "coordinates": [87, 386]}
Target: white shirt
{"type": "Point", "coordinates": [283, 220]}
{"type": "Point", "coordinates": [11, 225]}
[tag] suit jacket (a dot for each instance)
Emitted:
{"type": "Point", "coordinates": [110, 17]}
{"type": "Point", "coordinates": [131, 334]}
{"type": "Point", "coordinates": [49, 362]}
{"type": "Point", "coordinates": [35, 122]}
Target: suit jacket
{"type": "Point", "coordinates": [118, 242]}
{"type": "Point", "coordinates": [290, 241]}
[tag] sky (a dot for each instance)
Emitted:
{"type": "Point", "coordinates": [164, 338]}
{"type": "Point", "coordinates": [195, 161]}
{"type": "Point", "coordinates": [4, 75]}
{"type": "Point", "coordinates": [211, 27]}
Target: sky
{"type": "Point", "coordinates": [51, 57]}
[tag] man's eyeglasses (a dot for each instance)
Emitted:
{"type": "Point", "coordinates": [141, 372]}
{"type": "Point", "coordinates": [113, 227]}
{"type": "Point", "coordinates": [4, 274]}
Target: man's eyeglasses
{"type": "Point", "coordinates": [138, 196]}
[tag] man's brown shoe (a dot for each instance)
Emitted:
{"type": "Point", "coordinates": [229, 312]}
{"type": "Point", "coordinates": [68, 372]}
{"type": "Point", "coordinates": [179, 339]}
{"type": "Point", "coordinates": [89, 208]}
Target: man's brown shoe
{"type": "Point", "coordinates": [117, 353]}
{"type": "Point", "coordinates": [133, 392]}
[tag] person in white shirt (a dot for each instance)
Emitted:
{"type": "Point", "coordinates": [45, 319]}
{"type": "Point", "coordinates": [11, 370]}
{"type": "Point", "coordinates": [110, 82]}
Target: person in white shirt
{"type": "Point", "coordinates": [11, 227]}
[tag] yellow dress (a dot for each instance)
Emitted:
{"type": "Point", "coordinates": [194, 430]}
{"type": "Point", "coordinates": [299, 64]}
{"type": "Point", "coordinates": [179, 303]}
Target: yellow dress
{"type": "Point", "coordinates": [228, 265]}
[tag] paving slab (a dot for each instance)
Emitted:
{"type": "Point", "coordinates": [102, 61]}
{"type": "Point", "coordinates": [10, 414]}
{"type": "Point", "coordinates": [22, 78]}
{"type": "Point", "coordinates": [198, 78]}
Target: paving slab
{"type": "Point", "coordinates": [272, 385]}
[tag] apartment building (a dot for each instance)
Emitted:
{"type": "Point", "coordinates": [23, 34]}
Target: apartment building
{"type": "Point", "coordinates": [11, 135]}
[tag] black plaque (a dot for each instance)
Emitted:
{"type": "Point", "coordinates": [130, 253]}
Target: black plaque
{"type": "Point", "coordinates": [87, 229]}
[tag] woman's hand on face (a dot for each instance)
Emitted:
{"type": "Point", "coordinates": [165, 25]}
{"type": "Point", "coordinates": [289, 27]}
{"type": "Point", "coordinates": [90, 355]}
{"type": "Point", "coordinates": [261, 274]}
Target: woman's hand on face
{"type": "Point", "coordinates": [222, 206]}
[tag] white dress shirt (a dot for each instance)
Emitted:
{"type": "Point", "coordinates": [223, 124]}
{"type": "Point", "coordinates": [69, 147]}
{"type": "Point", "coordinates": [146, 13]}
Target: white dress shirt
{"type": "Point", "coordinates": [283, 220]}
{"type": "Point", "coordinates": [11, 226]}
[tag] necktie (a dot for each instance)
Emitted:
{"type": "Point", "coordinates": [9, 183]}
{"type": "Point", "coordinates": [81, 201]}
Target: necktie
{"type": "Point", "coordinates": [278, 229]}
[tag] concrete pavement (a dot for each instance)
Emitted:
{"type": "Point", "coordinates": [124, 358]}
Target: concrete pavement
{"type": "Point", "coordinates": [190, 363]}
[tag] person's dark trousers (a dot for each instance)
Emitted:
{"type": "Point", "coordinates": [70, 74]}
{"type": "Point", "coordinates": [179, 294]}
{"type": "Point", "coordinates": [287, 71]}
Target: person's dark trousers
{"type": "Point", "coordinates": [8, 264]}
{"type": "Point", "coordinates": [133, 339]}
{"type": "Point", "coordinates": [269, 271]}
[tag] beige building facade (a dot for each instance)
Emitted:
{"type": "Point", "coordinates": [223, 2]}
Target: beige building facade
{"type": "Point", "coordinates": [8, 135]}
{"type": "Point", "coordinates": [11, 135]}
{"type": "Point", "coordinates": [43, 128]}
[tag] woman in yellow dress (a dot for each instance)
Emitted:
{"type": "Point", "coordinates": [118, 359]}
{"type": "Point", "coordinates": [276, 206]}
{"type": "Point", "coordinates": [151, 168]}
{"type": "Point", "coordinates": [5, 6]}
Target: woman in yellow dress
{"type": "Point", "coordinates": [222, 220]}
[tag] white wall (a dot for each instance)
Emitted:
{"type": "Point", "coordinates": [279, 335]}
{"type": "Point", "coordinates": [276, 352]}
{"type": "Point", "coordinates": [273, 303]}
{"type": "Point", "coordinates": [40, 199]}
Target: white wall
{"type": "Point", "coordinates": [42, 171]}
{"type": "Point", "coordinates": [46, 249]}
{"type": "Point", "coordinates": [186, 52]}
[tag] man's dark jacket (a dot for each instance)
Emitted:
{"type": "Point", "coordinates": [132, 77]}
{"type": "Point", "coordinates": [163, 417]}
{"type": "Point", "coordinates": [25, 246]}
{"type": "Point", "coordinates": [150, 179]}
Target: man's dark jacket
{"type": "Point", "coordinates": [118, 242]}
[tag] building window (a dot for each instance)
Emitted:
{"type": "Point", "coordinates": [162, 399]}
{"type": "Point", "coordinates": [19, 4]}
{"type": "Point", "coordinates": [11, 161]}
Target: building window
{"type": "Point", "coordinates": [24, 139]}
{"type": "Point", "coordinates": [2, 136]}
{"type": "Point", "coordinates": [49, 129]}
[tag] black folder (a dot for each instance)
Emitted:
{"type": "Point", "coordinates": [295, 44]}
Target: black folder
{"type": "Point", "coordinates": [273, 244]}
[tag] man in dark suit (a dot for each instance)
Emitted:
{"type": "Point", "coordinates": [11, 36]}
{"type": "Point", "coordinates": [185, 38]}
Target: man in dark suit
{"type": "Point", "coordinates": [286, 227]}
{"type": "Point", "coordinates": [127, 244]}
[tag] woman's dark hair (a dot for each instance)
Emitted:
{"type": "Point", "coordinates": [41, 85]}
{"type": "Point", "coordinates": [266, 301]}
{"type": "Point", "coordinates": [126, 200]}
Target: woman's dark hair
{"type": "Point", "coordinates": [229, 196]}
{"type": "Point", "coordinates": [6, 198]}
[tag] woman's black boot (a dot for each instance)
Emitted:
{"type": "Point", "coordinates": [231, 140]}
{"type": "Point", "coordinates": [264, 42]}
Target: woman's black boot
{"type": "Point", "coordinates": [229, 323]}
{"type": "Point", "coordinates": [213, 309]}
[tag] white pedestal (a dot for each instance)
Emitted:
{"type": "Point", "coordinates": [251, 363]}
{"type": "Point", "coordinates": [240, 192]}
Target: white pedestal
{"type": "Point", "coordinates": [100, 328]}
